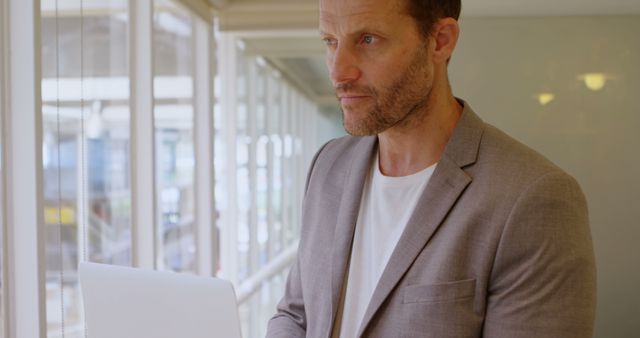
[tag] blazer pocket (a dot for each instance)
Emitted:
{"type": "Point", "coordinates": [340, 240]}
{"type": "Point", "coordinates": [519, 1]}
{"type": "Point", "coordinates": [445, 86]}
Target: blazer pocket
{"type": "Point", "coordinates": [441, 292]}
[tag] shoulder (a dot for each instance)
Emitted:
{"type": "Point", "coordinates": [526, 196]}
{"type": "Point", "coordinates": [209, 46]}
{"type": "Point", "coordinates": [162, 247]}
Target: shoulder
{"type": "Point", "coordinates": [343, 145]}
{"type": "Point", "coordinates": [511, 165]}
{"type": "Point", "coordinates": [518, 187]}
{"type": "Point", "coordinates": [338, 154]}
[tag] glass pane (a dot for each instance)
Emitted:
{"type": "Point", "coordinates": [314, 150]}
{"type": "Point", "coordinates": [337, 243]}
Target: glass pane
{"type": "Point", "coordinates": [275, 204]}
{"type": "Point", "coordinates": [289, 166]}
{"type": "Point", "coordinates": [262, 169]}
{"type": "Point", "coordinates": [220, 159]}
{"type": "Point", "coordinates": [243, 142]}
{"type": "Point", "coordinates": [87, 191]}
{"type": "Point", "coordinates": [260, 307]}
{"type": "Point", "coordinates": [173, 95]}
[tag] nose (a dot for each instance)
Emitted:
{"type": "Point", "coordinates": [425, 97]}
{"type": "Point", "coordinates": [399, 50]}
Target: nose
{"type": "Point", "coordinates": [343, 66]}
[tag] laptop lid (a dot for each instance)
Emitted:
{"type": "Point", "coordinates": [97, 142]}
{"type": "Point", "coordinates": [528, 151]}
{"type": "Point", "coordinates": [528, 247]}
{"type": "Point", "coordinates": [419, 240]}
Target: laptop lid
{"type": "Point", "coordinates": [128, 302]}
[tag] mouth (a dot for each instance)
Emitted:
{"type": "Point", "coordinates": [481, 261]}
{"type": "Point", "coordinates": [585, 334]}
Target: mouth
{"type": "Point", "coordinates": [352, 98]}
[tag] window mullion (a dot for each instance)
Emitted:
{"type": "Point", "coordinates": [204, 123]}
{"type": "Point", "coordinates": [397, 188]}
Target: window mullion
{"type": "Point", "coordinates": [284, 170]}
{"type": "Point", "coordinates": [252, 103]}
{"type": "Point", "coordinates": [142, 135]}
{"type": "Point", "coordinates": [206, 236]}
{"type": "Point", "coordinates": [23, 180]}
{"type": "Point", "coordinates": [269, 111]}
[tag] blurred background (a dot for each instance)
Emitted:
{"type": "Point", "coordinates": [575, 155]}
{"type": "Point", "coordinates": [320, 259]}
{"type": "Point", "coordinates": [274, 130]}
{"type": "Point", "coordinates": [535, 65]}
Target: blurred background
{"type": "Point", "coordinates": [219, 106]}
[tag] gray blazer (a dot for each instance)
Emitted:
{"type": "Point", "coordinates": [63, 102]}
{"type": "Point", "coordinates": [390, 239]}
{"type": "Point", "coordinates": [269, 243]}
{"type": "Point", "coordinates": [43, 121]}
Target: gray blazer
{"type": "Point", "coordinates": [498, 246]}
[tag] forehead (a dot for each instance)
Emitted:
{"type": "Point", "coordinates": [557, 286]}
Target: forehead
{"type": "Point", "coordinates": [357, 12]}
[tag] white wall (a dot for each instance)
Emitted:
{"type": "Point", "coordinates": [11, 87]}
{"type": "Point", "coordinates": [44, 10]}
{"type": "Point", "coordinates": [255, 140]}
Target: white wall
{"type": "Point", "coordinates": [499, 67]}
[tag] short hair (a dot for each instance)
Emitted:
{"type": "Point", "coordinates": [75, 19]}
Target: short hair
{"type": "Point", "coordinates": [428, 12]}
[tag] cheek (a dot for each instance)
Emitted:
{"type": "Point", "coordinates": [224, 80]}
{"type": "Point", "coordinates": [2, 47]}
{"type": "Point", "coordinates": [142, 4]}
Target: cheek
{"type": "Point", "coordinates": [383, 75]}
{"type": "Point", "coordinates": [396, 61]}
{"type": "Point", "coordinates": [378, 71]}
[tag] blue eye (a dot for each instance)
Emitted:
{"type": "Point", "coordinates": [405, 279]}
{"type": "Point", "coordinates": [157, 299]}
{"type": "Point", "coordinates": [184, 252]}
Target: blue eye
{"type": "Point", "coordinates": [368, 39]}
{"type": "Point", "coordinates": [329, 42]}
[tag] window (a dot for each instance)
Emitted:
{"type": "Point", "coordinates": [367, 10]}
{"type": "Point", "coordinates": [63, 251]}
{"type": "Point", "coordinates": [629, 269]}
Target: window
{"type": "Point", "coordinates": [275, 114]}
{"type": "Point", "coordinates": [86, 143]}
{"type": "Point", "coordinates": [174, 111]}
{"type": "Point", "coordinates": [87, 188]}
{"type": "Point", "coordinates": [259, 164]}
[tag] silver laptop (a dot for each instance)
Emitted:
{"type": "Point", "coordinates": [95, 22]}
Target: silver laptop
{"type": "Point", "coordinates": [137, 303]}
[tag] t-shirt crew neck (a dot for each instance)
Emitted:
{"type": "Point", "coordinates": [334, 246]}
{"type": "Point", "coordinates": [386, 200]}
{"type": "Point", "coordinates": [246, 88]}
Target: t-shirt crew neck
{"type": "Point", "coordinates": [415, 179]}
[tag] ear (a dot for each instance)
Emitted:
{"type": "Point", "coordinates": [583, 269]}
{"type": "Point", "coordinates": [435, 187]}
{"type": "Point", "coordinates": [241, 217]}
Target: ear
{"type": "Point", "coordinates": [445, 35]}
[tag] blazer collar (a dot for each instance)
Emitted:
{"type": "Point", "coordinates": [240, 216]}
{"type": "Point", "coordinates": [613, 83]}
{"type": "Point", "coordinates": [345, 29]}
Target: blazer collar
{"type": "Point", "coordinates": [464, 143]}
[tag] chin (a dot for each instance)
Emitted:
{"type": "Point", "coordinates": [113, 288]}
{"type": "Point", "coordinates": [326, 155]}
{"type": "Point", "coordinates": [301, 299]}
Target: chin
{"type": "Point", "coordinates": [349, 121]}
{"type": "Point", "coordinates": [358, 128]}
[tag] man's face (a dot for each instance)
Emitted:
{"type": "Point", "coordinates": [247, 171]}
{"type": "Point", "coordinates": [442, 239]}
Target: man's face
{"type": "Point", "coordinates": [379, 63]}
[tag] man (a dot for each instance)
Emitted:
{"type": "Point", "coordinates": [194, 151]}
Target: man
{"type": "Point", "coordinates": [427, 222]}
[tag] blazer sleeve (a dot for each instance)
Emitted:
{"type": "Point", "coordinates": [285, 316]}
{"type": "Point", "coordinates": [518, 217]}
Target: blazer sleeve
{"type": "Point", "coordinates": [543, 282]}
{"type": "Point", "coordinates": [290, 319]}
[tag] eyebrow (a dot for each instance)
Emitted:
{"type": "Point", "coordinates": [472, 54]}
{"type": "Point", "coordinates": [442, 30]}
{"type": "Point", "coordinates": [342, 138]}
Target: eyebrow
{"type": "Point", "coordinates": [374, 29]}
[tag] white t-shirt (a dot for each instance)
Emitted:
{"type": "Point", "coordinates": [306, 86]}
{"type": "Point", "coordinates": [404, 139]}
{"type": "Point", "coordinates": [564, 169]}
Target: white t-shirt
{"type": "Point", "coordinates": [386, 206]}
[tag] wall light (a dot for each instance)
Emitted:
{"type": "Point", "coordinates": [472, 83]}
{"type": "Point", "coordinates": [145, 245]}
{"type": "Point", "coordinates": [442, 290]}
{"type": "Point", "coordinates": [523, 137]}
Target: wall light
{"type": "Point", "coordinates": [545, 98]}
{"type": "Point", "coordinates": [594, 81]}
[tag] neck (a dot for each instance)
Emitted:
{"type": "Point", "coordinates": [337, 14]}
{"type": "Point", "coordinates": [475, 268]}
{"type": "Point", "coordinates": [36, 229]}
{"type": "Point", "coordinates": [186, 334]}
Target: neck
{"type": "Point", "coordinates": [418, 143]}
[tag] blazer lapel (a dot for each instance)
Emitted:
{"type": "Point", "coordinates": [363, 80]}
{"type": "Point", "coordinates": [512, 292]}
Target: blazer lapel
{"type": "Point", "coordinates": [443, 190]}
{"type": "Point", "coordinates": [347, 218]}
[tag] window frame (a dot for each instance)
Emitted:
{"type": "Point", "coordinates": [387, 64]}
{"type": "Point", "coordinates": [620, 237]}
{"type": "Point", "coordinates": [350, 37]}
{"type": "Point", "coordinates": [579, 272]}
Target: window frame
{"type": "Point", "coordinates": [25, 284]}
{"type": "Point", "coordinates": [144, 248]}
{"type": "Point", "coordinates": [204, 135]}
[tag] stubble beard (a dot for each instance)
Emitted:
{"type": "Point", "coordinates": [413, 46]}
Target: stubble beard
{"type": "Point", "coordinates": [395, 105]}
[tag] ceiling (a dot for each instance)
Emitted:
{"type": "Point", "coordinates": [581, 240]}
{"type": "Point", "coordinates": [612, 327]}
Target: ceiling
{"type": "Point", "coordinates": [549, 7]}
{"type": "Point", "coordinates": [284, 31]}
{"type": "Point", "coordinates": [487, 7]}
